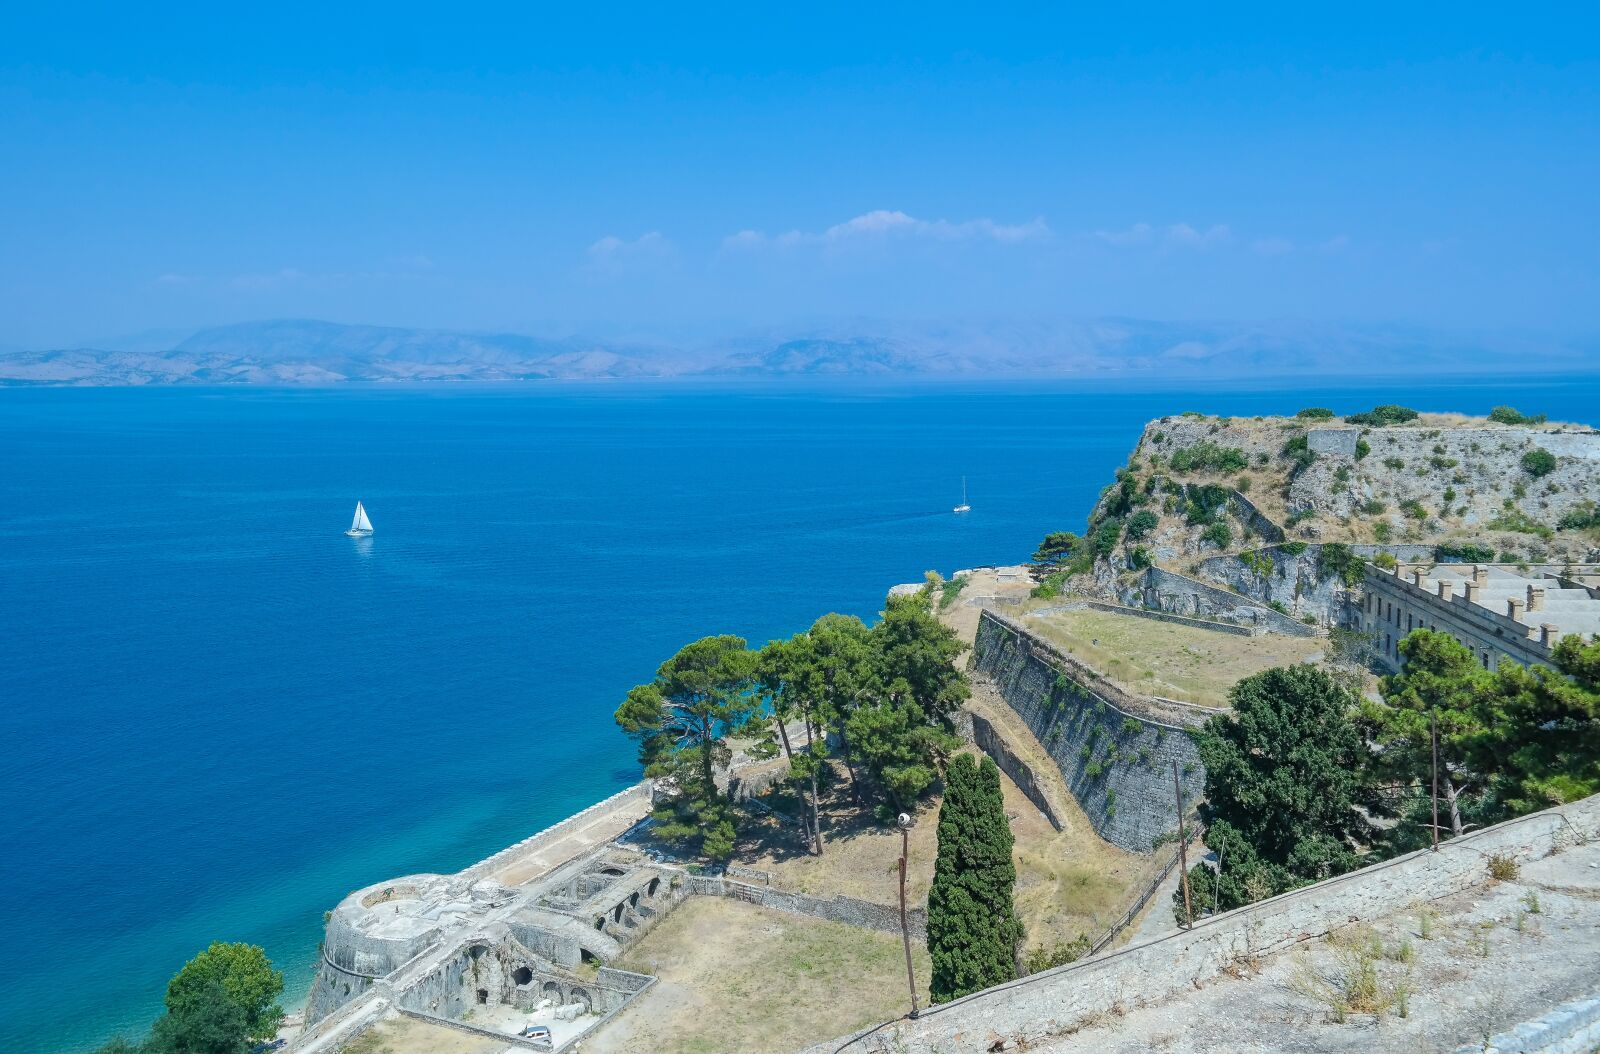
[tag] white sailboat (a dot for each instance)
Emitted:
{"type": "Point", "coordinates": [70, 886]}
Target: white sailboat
{"type": "Point", "coordinates": [963, 507]}
{"type": "Point", "coordinates": [360, 527]}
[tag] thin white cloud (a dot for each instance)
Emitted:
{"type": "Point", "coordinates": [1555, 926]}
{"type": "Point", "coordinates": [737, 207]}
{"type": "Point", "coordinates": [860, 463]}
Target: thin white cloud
{"type": "Point", "coordinates": [611, 247]}
{"type": "Point", "coordinates": [1178, 235]}
{"type": "Point", "coordinates": [1272, 246]}
{"type": "Point", "coordinates": [882, 224]}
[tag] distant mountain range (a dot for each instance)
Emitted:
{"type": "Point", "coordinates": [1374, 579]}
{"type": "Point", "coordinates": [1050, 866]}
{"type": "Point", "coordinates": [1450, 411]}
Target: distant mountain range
{"type": "Point", "coordinates": [306, 352]}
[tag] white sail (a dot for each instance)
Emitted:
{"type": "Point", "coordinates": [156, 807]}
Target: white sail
{"type": "Point", "coordinates": [361, 523]}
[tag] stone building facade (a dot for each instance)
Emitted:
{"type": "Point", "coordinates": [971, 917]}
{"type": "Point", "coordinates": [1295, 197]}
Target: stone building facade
{"type": "Point", "coordinates": [1502, 613]}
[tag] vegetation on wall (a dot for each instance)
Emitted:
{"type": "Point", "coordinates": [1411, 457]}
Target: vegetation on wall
{"type": "Point", "coordinates": [973, 931]}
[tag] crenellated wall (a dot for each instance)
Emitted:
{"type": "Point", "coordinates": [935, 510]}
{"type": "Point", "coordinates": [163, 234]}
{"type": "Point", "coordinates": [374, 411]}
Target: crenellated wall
{"type": "Point", "coordinates": [1116, 752]}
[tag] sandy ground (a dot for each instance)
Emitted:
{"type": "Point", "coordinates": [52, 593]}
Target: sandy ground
{"type": "Point", "coordinates": [1483, 961]}
{"type": "Point", "coordinates": [736, 977]}
{"type": "Point", "coordinates": [1148, 657]}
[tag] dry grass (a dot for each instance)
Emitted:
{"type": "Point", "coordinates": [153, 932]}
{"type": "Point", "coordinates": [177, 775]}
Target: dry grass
{"type": "Point", "coordinates": [404, 1035]}
{"type": "Point", "coordinates": [1159, 658]}
{"type": "Point", "coordinates": [736, 977]}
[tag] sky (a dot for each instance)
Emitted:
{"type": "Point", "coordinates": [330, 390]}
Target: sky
{"type": "Point", "coordinates": [669, 168]}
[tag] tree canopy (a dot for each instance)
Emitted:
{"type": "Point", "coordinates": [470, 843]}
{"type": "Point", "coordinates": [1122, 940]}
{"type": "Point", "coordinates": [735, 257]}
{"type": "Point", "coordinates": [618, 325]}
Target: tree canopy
{"type": "Point", "coordinates": [973, 931]}
{"type": "Point", "coordinates": [223, 1001]}
{"type": "Point", "coordinates": [681, 721]}
{"type": "Point", "coordinates": [1283, 778]}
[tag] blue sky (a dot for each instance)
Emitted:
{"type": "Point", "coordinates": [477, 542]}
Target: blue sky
{"type": "Point", "coordinates": [653, 169]}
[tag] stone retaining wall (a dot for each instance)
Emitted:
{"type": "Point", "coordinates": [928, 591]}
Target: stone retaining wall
{"type": "Point", "coordinates": [1166, 590]}
{"type": "Point", "coordinates": [1176, 620]}
{"type": "Point", "coordinates": [1057, 1002]}
{"type": "Point", "coordinates": [1118, 762]}
{"type": "Point", "coordinates": [986, 738]}
{"type": "Point", "coordinates": [638, 794]}
{"type": "Point", "coordinates": [848, 910]}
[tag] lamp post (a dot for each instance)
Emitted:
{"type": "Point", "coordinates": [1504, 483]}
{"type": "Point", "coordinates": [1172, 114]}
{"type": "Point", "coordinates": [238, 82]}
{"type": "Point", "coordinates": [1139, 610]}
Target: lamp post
{"type": "Point", "coordinates": [905, 928]}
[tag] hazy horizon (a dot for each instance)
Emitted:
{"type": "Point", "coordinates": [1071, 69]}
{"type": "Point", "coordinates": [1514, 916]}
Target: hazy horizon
{"type": "Point", "coordinates": [705, 173]}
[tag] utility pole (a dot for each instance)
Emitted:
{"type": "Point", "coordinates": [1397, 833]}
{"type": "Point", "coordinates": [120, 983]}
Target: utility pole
{"type": "Point", "coordinates": [905, 927]}
{"type": "Point", "coordinates": [1433, 736]}
{"type": "Point", "coordinates": [1183, 847]}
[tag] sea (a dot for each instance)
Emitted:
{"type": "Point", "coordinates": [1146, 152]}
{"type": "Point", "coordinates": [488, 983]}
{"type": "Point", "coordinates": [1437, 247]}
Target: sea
{"type": "Point", "coordinates": [219, 714]}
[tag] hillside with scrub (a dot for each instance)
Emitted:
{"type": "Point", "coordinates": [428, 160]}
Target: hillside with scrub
{"type": "Point", "coordinates": [1507, 488]}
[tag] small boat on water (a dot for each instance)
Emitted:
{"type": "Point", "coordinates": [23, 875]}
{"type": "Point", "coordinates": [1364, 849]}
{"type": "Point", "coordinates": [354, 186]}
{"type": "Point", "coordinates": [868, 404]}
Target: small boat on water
{"type": "Point", "coordinates": [360, 527]}
{"type": "Point", "coordinates": [963, 507]}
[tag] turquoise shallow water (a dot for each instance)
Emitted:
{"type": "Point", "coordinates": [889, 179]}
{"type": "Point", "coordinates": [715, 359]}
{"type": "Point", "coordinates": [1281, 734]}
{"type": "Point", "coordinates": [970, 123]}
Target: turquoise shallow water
{"type": "Point", "coordinates": [219, 714]}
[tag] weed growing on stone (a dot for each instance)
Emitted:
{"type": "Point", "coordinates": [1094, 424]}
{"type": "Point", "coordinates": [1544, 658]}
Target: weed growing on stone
{"type": "Point", "coordinates": [1504, 868]}
{"type": "Point", "coordinates": [1531, 902]}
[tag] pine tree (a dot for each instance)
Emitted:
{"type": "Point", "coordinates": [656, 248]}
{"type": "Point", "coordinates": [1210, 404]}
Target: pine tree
{"type": "Point", "coordinates": [973, 930]}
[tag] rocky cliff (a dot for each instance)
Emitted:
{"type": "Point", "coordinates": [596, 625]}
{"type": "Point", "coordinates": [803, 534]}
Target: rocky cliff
{"type": "Point", "coordinates": [1250, 503]}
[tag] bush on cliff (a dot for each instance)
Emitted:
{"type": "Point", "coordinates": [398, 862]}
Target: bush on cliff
{"type": "Point", "coordinates": [1382, 416]}
{"type": "Point", "coordinates": [1283, 779]}
{"type": "Point", "coordinates": [1507, 415]}
{"type": "Point", "coordinates": [1537, 463]}
{"type": "Point", "coordinates": [973, 931]}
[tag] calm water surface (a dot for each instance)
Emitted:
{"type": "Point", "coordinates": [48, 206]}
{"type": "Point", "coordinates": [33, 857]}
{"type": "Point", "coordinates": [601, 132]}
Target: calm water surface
{"type": "Point", "coordinates": [220, 714]}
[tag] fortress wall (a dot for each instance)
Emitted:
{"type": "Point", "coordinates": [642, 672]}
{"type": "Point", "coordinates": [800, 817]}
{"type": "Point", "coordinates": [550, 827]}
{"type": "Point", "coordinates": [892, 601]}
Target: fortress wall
{"type": "Point", "coordinates": [1115, 756]}
{"type": "Point", "coordinates": [1057, 1002]}
{"type": "Point", "coordinates": [992, 743]}
{"type": "Point", "coordinates": [636, 796]}
{"type": "Point", "coordinates": [1169, 617]}
{"type": "Point", "coordinates": [849, 910]}
{"type": "Point", "coordinates": [1169, 591]}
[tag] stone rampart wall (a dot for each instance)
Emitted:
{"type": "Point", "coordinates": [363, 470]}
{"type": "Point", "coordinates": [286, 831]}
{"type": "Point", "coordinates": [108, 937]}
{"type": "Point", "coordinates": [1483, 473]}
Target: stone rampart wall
{"type": "Point", "coordinates": [848, 910]}
{"type": "Point", "coordinates": [1117, 762]}
{"type": "Point", "coordinates": [636, 795]}
{"type": "Point", "coordinates": [1169, 617]}
{"type": "Point", "coordinates": [1057, 1002]}
{"type": "Point", "coordinates": [991, 742]}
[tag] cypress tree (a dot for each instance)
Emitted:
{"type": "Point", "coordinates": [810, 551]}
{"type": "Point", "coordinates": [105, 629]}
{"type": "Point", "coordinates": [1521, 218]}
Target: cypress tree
{"type": "Point", "coordinates": [972, 926]}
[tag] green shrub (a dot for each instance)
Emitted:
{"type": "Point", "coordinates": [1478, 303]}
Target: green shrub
{"type": "Point", "coordinates": [1581, 517]}
{"type": "Point", "coordinates": [1414, 509]}
{"type": "Point", "coordinates": [1374, 507]}
{"type": "Point", "coordinates": [1335, 559]}
{"type": "Point", "coordinates": [1258, 563]}
{"type": "Point", "coordinates": [1538, 463]}
{"type": "Point", "coordinates": [1207, 456]}
{"type": "Point", "coordinates": [1342, 474]}
{"type": "Point", "coordinates": [1394, 463]}
{"type": "Point", "coordinates": [1381, 416]}
{"type": "Point", "coordinates": [1218, 534]}
{"type": "Point", "coordinates": [1131, 726]}
{"type": "Point", "coordinates": [1104, 537]}
{"type": "Point", "coordinates": [1519, 521]}
{"type": "Point", "coordinates": [1316, 413]}
{"type": "Point", "coordinates": [1465, 553]}
{"type": "Point", "coordinates": [1140, 524]}
{"type": "Point", "coordinates": [1299, 451]}
{"type": "Point", "coordinates": [1508, 416]}
{"type": "Point", "coordinates": [1294, 548]}
{"type": "Point", "coordinates": [1383, 530]}
{"type": "Point", "coordinates": [1386, 561]}
{"type": "Point", "coordinates": [1363, 448]}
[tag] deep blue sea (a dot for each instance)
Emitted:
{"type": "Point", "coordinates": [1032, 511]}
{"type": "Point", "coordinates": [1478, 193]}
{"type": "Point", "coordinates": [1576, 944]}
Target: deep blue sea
{"type": "Point", "coordinates": [219, 714]}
